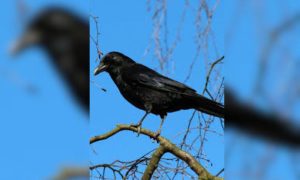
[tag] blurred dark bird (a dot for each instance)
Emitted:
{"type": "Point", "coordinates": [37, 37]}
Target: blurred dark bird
{"type": "Point", "coordinates": [153, 92]}
{"type": "Point", "coordinates": [252, 121]}
{"type": "Point", "coordinates": [65, 37]}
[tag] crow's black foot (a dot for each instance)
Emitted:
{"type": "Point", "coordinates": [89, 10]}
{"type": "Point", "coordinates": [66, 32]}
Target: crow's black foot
{"type": "Point", "coordinates": [157, 134]}
{"type": "Point", "coordinates": [139, 131]}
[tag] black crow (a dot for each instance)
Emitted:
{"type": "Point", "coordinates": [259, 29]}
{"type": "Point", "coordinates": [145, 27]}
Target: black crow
{"type": "Point", "coordinates": [153, 92]}
{"type": "Point", "coordinates": [65, 37]}
{"type": "Point", "coordinates": [252, 121]}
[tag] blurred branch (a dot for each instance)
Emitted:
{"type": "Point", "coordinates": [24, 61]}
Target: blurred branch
{"type": "Point", "coordinates": [275, 34]}
{"type": "Point", "coordinates": [165, 146]}
{"type": "Point", "coordinates": [163, 48]}
{"type": "Point", "coordinates": [72, 173]}
{"type": "Point", "coordinates": [204, 33]}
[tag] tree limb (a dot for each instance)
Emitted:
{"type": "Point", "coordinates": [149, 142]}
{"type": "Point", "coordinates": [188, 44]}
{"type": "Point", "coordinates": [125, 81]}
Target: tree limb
{"type": "Point", "coordinates": [167, 147]}
{"type": "Point", "coordinates": [154, 161]}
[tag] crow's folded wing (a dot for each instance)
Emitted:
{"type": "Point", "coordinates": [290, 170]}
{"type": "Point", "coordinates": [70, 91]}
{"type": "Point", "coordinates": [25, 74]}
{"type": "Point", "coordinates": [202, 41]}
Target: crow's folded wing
{"type": "Point", "coordinates": [143, 76]}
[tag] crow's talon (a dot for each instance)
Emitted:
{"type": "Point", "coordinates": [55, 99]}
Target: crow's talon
{"type": "Point", "coordinates": [138, 126]}
{"type": "Point", "coordinates": [138, 130]}
{"type": "Point", "coordinates": [157, 134]}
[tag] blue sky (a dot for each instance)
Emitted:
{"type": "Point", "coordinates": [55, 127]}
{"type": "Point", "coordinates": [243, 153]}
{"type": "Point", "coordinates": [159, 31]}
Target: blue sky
{"type": "Point", "coordinates": [42, 132]}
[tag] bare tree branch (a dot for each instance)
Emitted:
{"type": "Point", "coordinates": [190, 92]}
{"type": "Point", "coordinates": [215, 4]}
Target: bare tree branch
{"type": "Point", "coordinates": [167, 146]}
{"type": "Point", "coordinates": [154, 161]}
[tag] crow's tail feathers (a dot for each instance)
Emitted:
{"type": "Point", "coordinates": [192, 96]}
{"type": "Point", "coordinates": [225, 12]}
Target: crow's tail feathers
{"type": "Point", "coordinates": [208, 106]}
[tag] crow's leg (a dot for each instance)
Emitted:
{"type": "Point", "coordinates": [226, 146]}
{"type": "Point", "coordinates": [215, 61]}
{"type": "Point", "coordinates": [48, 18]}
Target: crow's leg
{"type": "Point", "coordinates": [148, 108]}
{"type": "Point", "coordinates": [143, 118]}
{"type": "Point", "coordinates": [163, 117]}
{"type": "Point", "coordinates": [139, 124]}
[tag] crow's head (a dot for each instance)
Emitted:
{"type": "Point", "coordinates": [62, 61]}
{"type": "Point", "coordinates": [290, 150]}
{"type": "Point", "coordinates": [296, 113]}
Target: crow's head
{"type": "Point", "coordinates": [53, 29]}
{"type": "Point", "coordinates": [113, 61]}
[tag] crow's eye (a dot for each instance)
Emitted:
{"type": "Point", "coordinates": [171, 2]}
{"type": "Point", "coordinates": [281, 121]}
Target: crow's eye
{"type": "Point", "coordinates": [114, 58]}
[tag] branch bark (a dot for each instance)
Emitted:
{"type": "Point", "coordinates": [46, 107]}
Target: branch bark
{"type": "Point", "coordinates": [165, 146]}
{"type": "Point", "coordinates": [154, 161]}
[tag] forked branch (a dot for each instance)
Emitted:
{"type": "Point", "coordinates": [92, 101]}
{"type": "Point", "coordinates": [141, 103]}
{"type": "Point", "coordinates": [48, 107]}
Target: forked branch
{"type": "Point", "coordinates": [165, 146]}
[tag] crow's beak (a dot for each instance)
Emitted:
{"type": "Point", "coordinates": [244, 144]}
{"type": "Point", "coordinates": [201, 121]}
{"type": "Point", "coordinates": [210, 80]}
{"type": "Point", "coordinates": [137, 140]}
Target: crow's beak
{"type": "Point", "coordinates": [102, 67]}
{"type": "Point", "coordinates": [29, 38]}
